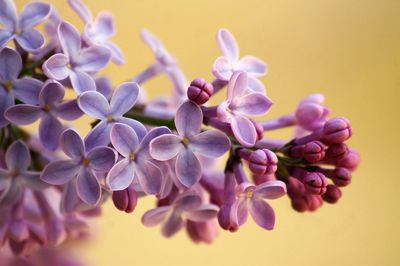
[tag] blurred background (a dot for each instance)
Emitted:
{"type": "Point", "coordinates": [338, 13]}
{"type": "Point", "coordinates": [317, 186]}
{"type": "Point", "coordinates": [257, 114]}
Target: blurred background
{"type": "Point", "coordinates": [349, 50]}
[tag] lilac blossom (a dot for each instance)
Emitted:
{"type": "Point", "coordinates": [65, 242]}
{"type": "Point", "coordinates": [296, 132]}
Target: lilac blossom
{"type": "Point", "coordinates": [225, 66]}
{"type": "Point", "coordinates": [97, 106]}
{"type": "Point", "coordinates": [81, 166]}
{"type": "Point", "coordinates": [190, 140]}
{"type": "Point", "coordinates": [51, 107]}
{"type": "Point", "coordinates": [241, 103]}
{"type": "Point", "coordinates": [22, 28]}
{"type": "Point", "coordinates": [100, 30]}
{"type": "Point", "coordinates": [187, 206]}
{"type": "Point", "coordinates": [76, 63]}
{"type": "Point", "coordinates": [25, 89]}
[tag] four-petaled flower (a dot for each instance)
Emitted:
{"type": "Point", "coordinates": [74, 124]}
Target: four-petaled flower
{"type": "Point", "coordinates": [51, 106]}
{"type": "Point", "coordinates": [82, 165]}
{"type": "Point", "coordinates": [76, 62]}
{"type": "Point", "coordinates": [243, 102]}
{"type": "Point", "coordinates": [190, 140]}
{"type": "Point", "coordinates": [225, 66]}
{"type": "Point", "coordinates": [22, 29]}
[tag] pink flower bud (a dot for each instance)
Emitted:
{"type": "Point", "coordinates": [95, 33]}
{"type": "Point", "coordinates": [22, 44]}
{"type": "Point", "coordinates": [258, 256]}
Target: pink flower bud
{"type": "Point", "coordinates": [263, 162]}
{"type": "Point", "coordinates": [336, 130]}
{"type": "Point", "coordinates": [259, 130]}
{"type": "Point", "coordinates": [337, 152]}
{"type": "Point", "coordinates": [315, 183]}
{"type": "Point", "coordinates": [299, 204]}
{"type": "Point", "coordinates": [125, 200]}
{"type": "Point", "coordinates": [200, 91]}
{"type": "Point", "coordinates": [341, 177]}
{"type": "Point", "coordinates": [313, 151]}
{"type": "Point", "coordinates": [351, 161]}
{"type": "Point", "coordinates": [332, 194]}
{"type": "Point", "coordinates": [314, 202]}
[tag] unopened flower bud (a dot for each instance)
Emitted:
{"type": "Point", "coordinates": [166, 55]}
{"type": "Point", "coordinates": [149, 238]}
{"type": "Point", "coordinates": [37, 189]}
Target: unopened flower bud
{"type": "Point", "coordinates": [337, 152]}
{"type": "Point", "coordinates": [336, 130]}
{"type": "Point", "coordinates": [263, 162]}
{"type": "Point", "coordinates": [259, 130]}
{"type": "Point", "coordinates": [200, 91]}
{"type": "Point", "coordinates": [299, 204]}
{"type": "Point", "coordinates": [351, 161]}
{"type": "Point", "coordinates": [341, 177]}
{"type": "Point", "coordinates": [125, 200]}
{"type": "Point", "coordinates": [315, 183]}
{"type": "Point", "coordinates": [313, 151]}
{"type": "Point", "coordinates": [332, 194]}
{"type": "Point", "coordinates": [314, 202]}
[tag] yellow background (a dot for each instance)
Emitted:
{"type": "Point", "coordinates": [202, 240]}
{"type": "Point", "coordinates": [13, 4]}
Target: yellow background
{"type": "Point", "coordinates": [348, 50]}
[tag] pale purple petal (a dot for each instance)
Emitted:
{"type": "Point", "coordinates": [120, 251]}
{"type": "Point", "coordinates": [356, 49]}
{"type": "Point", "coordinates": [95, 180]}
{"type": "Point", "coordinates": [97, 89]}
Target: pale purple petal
{"type": "Point", "coordinates": [52, 92]}
{"type": "Point", "coordinates": [32, 180]}
{"type": "Point", "coordinates": [56, 67]}
{"type": "Point", "coordinates": [10, 195]}
{"type": "Point", "coordinates": [165, 147]}
{"type": "Point", "coordinates": [27, 90]}
{"type": "Point", "coordinates": [6, 100]}
{"type": "Point", "coordinates": [104, 86]}
{"type": "Point", "coordinates": [222, 69]}
{"type": "Point", "coordinates": [94, 104]}
{"type": "Point", "coordinates": [152, 134]}
{"type": "Point", "coordinates": [69, 199]}
{"type": "Point", "coordinates": [8, 14]}
{"type": "Point", "coordinates": [239, 87]}
{"type": "Point", "coordinates": [150, 177]}
{"type": "Point", "coordinates": [252, 65]}
{"type": "Point", "coordinates": [5, 37]}
{"type": "Point", "coordinates": [271, 190]}
{"type": "Point", "coordinates": [70, 39]}
{"type": "Point", "coordinates": [68, 110]}
{"type": "Point", "coordinates": [151, 40]}
{"type": "Point", "coordinates": [124, 139]}
{"type": "Point", "coordinates": [50, 130]}
{"type": "Point", "coordinates": [98, 136]}
{"type": "Point", "coordinates": [81, 81]}
{"type": "Point", "coordinates": [30, 40]}
{"type": "Point", "coordinates": [262, 213]}
{"type": "Point", "coordinates": [124, 98]}
{"type": "Point", "coordinates": [121, 175]}
{"type": "Point", "coordinates": [155, 216]}
{"type": "Point", "coordinates": [23, 114]}
{"type": "Point", "coordinates": [204, 213]}
{"type": "Point", "coordinates": [255, 84]}
{"type": "Point", "coordinates": [187, 201]}
{"type": "Point", "coordinates": [173, 224]}
{"type": "Point", "coordinates": [102, 158]}
{"type": "Point", "coordinates": [88, 187]}
{"type": "Point", "coordinates": [244, 130]}
{"type": "Point", "coordinates": [92, 59]}
{"type": "Point", "coordinates": [60, 172]}
{"type": "Point", "coordinates": [210, 143]}
{"type": "Point", "coordinates": [33, 14]}
{"type": "Point", "coordinates": [228, 45]}
{"type": "Point", "coordinates": [82, 10]}
{"type": "Point", "coordinates": [4, 179]}
{"type": "Point", "coordinates": [72, 144]}
{"type": "Point", "coordinates": [139, 128]}
{"type": "Point", "coordinates": [11, 64]}
{"type": "Point", "coordinates": [104, 25]}
{"type": "Point", "coordinates": [253, 104]}
{"type": "Point", "coordinates": [188, 168]}
{"type": "Point", "coordinates": [116, 53]}
{"type": "Point", "coordinates": [188, 119]}
{"type": "Point", "coordinates": [17, 156]}
{"type": "Point", "coordinates": [239, 212]}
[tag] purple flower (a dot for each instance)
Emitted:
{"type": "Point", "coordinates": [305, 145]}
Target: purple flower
{"type": "Point", "coordinates": [241, 103]}
{"type": "Point", "coordinates": [22, 29]}
{"type": "Point", "coordinates": [16, 175]}
{"type": "Point", "coordinates": [51, 106]}
{"type": "Point", "coordinates": [190, 140]}
{"type": "Point", "coordinates": [99, 31]}
{"type": "Point", "coordinates": [97, 106]}
{"type": "Point", "coordinates": [81, 165]}
{"type": "Point", "coordinates": [187, 205]}
{"type": "Point", "coordinates": [25, 89]}
{"type": "Point", "coordinates": [76, 62]}
{"type": "Point", "coordinates": [136, 161]}
{"type": "Point", "coordinates": [225, 66]}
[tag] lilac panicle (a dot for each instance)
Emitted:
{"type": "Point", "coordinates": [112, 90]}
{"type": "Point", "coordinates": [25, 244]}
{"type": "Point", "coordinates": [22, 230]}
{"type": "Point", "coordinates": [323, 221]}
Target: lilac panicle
{"type": "Point", "coordinates": [22, 28]}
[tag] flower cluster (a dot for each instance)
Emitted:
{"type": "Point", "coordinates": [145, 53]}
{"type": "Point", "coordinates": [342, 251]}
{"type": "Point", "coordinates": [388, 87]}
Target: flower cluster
{"type": "Point", "coordinates": [53, 180]}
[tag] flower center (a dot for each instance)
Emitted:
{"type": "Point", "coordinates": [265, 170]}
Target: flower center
{"type": "Point", "coordinates": [14, 173]}
{"type": "Point", "coordinates": [110, 119]}
{"type": "Point", "coordinates": [185, 141]}
{"type": "Point", "coordinates": [8, 85]}
{"type": "Point", "coordinates": [47, 108]}
{"type": "Point", "coordinates": [85, 162]}
{"type": "Point", "coordinates": [132, 156]}
{"type": "Point", "coordinates": [249, 194]}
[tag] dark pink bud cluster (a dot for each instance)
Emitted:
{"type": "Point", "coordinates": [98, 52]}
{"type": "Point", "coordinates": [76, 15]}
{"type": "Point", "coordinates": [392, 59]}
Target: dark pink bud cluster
{"type": "Point", "coordinates": [336, 130]}
{"type": "Point", "coordinates": [125, 200]}
{"type": "Point", "coordinates": [313, 151]}
{"type": "Point", "coordinates": [200, 91]}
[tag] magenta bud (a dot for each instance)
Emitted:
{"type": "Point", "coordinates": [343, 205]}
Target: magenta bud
{"type": "Point", "coordinates": [263, 162]}
{"type": "Point", "coordinates": [200, 91]}
{"type": "Point", "coordinates": [299, 204]}
{"type": "Point", "coordinates": [351, 161]}
{"type": "Point", "coordinates": [259, 130]}
{"type": "Point", "coordinates": [125, 200]}
{"type": "Point", "coordinates": [315, 183]}
{"type": "Point", "coordinates": [332, 194]}
{"type": "Point", "coordinates": [314, 202]}
{"type": "Point", "coordinates": [313, 151]}
{"type": "Point", "coordinates": [341, 177]}
{"type": "Point", "coordinates": [337, 152]}
{"type": "Point", "coordinates": [336, 130]}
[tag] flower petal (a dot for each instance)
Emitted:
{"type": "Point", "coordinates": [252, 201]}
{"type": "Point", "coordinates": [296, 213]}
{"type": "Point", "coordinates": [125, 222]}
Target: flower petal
{"type": "Point", "coordinates": [5, 37]}
{"type": "Point", "coordinates": [27, 90]}
{"type": "Point", "coordinates": [72, 144]}
{"type": "Point", "coordinates": [11, 64]}
{"type": "Point", "coordinates": [10, 195]}
{"type": "Point", "coordinates": [262, 213]}
{"type": "Point", "coordinates": [124, 98]}
{"type": "Point", "coordinates": [155, 216]}
{"type": "Point", "coordinates": [150, 177]}
{"type": "Point", "coordinates": [30, 40]}
{"type": "Point", "coordinates": [82, 10]}
{"type": "Point", "coordinates": [92, 59]}
{"type": "Point", "coordinates": [188, 119]}
{"type": "Point", "coordinates": [102, 158]}
{"type": "Point", "coordinates": [144, 145]}
{"type": "Point", "coordinates": [165, 147]}
{"type": "Point", "coordinates": [17, 156]}
{"type": "Point", "coordinates": [271, 190]}
{"type": "Point", "coordinates": [187, 201]}
{"type": "Point", "coordinates": [33, 14]}
{"type": "Point", "coordinates": [81, 81]}
{"type": "Point", "coordinates": [253, 66]}
{"type": "Point", "coordinates": [88, 187]}
{"type": "Point", "coordinates": [188, 168]}
{"type": "Point", "coordinates": [222, 68]}
{"type": "Point", "coordinates": [124, 139]}
{"type": "Point", "coordinates": [23, 114]}
{"type": "Point", "coordinates": [204, 213]}
{"type": "Point", "coordinates": [8, 14]}
{"type": "Point", "coordinates": [70, 39]}
{"type": "Point", "coordinates": [255, 84]}
{"type": "Point", "coordinates": [239, 212]}
{"type": "Point", "coordinates": [173, 224]}
{"type": "Point", "coordinates": [139, 128]}
{"type": "Point", "coordinates": [69, 198]}
{"type": "Point", "coordinates": [52, 92]}
{"type": "Point", "coordinates": [68, 110]}
{"type": "Point", "coordinates": [228, 45]}
{"type": "Point", "coordinates": [4, 179]}
{"type": "Point", "coordinates": [121, 175]}
{"type": "Point", "coordinates": [104, 25]}
{"type": "Point", "coordinates": [6, 100]}
{"type": "Point", "coordinates": [50, 130]}
{"type": "Point", "coordinates": [60, 172]}
{"type": "Point", "coordinates": [56, 67]}
{"type": "Point", "coordinates": [239, 87]}
{"type": "Point", "coordinates": [253, 104]}
{"type": "Point", "coordinates": [116, 53]}
{"type": "Point", "coordinates": [104, 86]}
{"type": "Point", "coordinates": [32, 180]}
{"type": "Point", "coordinates": [98, 136]}
{"type": "Point", "coordinates": [94, 104]}
{"type": "Point", "coordinates": [210, 143]}
{"type": "Point", "coordinates": [244, 130]}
